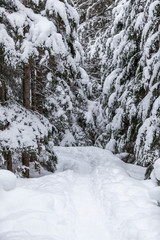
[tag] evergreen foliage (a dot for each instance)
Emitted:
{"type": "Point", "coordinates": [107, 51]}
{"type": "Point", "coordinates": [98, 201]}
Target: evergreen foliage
{"type": "Point", "coordinates": [131, 80]}
{"type": "Point", "coordinates": [40, 64]}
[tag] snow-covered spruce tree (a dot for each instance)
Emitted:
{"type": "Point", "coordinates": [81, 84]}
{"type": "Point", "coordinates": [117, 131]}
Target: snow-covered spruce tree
{"type": "Point", "coordinates": [95, 17]}
{"type": "Point", "coordinates": [40, 62]}
{"type": "Point", "coordinates": [131, 89]}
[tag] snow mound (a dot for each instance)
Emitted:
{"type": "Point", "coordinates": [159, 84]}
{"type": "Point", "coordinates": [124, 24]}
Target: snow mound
{"type": "Point", "coordinates": [155, 175]}
{"type": "Point", "coordinates": [157, 169]}
{"type": "Point", "coordinates": [7, 180]}
{"type": "Point", "coordinates": [78, 158]}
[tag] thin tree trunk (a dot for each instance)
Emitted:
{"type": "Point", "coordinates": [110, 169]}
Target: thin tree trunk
{"type": "Point", "coordinates": [40, 90]}
{"type": "Point", "coordinates": [2, 91]}
{"type": "Point", "coordinates": [26, 86]}
{"type": "Point", "coordinates": [25, 162]}
{"type": "Point", "coordinates": [2, 81]}
{"type": "Point", "coordinates": [8, 158]}
{"type": "Point", "coordinates": [9, 161]}
{"type": "Point", "coordinates": [33, 89]}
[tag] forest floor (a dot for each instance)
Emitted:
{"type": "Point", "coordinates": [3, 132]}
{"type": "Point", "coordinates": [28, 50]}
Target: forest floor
{"type": "Point", "coordinates": [93, 195]}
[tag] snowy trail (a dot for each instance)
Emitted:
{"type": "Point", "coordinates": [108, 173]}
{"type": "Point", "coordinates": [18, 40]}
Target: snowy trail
{"type": "Point", "coordinates": [92, 196]}
{"type": "Point", "coordinates": [90, 221]}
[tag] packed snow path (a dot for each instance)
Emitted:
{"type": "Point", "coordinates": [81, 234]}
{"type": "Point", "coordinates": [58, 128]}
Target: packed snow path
{"type": "Point", "coordinates": [90, 221]}
{"type": "Point", "coordinates": [92, 196]}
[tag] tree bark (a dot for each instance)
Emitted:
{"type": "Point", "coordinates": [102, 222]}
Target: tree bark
{"type": "Point", "coordinates": [40, 90]}
{"type": "Point", "coordinates": [25, 162]}
{"type": "Point", "coordinates": [26, 86]}
{"type": "Point", "coordinates": [2, 91]}
{"type": "Point", "coordinates": [33, 89]}
{"type": "Point", "coordinates": [8, 158]}
{"type": "Point", "coordinates": [9, 161]}
{"type": "Point", "coordinates": [2, 81]}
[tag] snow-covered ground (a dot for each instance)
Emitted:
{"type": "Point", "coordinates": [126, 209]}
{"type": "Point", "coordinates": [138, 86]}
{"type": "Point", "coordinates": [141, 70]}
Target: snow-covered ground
{"type": "Point", "coordinates": [92, 196]}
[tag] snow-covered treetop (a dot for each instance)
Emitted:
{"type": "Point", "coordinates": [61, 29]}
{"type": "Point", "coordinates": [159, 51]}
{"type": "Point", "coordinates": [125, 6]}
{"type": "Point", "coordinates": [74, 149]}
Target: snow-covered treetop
{"type": "Point", "coordinates": [23, 30]}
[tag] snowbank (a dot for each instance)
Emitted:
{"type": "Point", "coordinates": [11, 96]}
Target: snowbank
{"type": "Point", "coordinates": [7, 180]}
{"type": "Point", "coordinates": [93, 195]}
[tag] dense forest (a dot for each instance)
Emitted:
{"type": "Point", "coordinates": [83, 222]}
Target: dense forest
{"type": "Point", "coordinates": [78, 73]}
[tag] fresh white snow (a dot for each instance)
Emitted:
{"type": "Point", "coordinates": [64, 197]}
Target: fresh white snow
{"type": "Point", "coordinates": [92, 196]}
{"type": "Point", "coordinates": [7, 180]}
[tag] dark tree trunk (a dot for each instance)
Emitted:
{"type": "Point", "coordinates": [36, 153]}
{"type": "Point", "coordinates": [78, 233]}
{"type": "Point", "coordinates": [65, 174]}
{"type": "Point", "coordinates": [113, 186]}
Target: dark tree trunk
{"type": "Point", "coordinates": [26, 86]}
{"type": "Point", "coordinates": [40, 90]}
{"type": "Point", "coordinates": [8, 158]}
{"type": "Point", "coordinates": [25, 162]}
{"type": "Point", "coordinates": [9, 161]}
{"type": "Point", "coordinates": [2, 91]}
{"type": "Point", "coordinates": [33, 89]}
{"type": "Point", "coordinates": [2, 80]}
